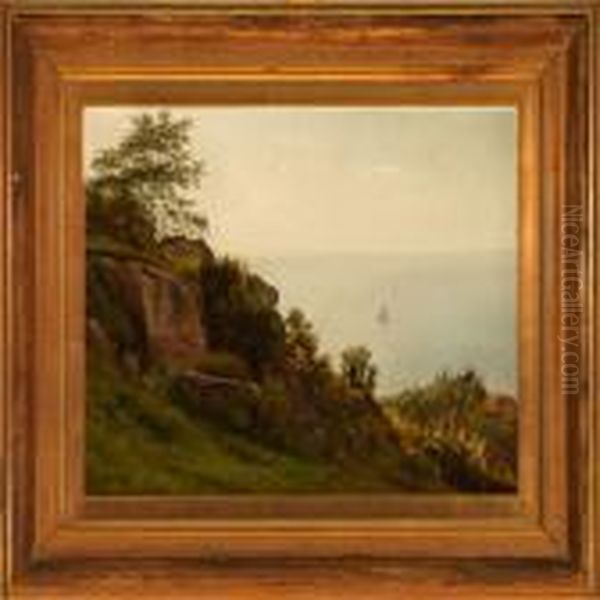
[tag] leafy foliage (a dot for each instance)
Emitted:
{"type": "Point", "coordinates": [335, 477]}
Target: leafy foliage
{"type": "Point", "coordinates": [223, 364]}
{"type": "Point", "coordinates": [142, 189]}
{"type": "Point", "coordinates": [450, 421]}
{"type": "Point", "coordinates": [241, 314]}
{"type": "Point", "coordinates": [358, 372]}
{"type": "Point", "coordinates": [301, 343]}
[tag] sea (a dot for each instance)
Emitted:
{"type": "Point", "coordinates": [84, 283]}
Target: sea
{"type": "Point", "coordinates": [419, 314]}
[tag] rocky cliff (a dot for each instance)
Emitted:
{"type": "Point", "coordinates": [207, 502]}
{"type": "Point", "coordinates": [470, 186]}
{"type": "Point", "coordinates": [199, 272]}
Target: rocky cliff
{"type": "Point", "coordinates": [144, 311]}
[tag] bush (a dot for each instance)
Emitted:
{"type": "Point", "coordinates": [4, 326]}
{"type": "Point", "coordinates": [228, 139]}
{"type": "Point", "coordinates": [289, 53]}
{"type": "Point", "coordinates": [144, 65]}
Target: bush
{"type": "Point", "coordinates": [447, 420]}
{"type": "Point", "coordinates": [223, 364]}
{"type": "Point", "coordinates": [240, 310]}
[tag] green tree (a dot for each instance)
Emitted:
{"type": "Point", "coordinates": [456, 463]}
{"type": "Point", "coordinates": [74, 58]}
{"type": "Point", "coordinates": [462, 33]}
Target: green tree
{"type": "Point", "coordinates": [143, 188]}
{"type": "Point", "coordinates": [241, 315]}
{"type": "Point", "coordinates": [302, 343]}
{"type": "Point", "coordinates": [358, 371]}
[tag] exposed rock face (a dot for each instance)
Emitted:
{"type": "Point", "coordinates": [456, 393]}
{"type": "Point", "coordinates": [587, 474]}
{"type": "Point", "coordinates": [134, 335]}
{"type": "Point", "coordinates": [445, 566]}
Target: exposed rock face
{"type": "Point", "coordinates": [159, 312]}
{"type": "Point", "coordinates": [170, 308]}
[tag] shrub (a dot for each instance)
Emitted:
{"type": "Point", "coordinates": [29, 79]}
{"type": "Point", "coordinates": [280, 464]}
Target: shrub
{"type": "Point", "coordinates": [223, 364]}
{"type": "Point", "coordinates": [447, 420]}
{"type": "Point", "coordinates": [240, 310]}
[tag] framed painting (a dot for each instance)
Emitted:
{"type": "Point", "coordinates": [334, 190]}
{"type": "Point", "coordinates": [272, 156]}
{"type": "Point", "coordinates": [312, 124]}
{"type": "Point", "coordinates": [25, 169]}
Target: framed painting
{"type": "Point", "coordinates": [236, 311]}
{"type": "Point", "coordinates": [297, 297]}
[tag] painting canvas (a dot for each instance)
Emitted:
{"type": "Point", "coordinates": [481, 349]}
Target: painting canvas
{"type": "Point", "coordinates": [291, 299]}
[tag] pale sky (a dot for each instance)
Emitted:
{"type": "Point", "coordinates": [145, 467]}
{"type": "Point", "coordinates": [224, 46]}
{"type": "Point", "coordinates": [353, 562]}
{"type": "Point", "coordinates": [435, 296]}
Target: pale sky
{"type": "Point", "coordinates": [297, 180]}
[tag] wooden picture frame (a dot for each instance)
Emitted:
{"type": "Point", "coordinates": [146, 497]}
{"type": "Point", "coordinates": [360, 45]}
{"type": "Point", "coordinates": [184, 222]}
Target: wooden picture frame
{"type": "Point", "coordinates": [541, 57]}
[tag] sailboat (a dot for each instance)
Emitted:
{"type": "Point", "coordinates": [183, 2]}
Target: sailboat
{"type": "Point", "coordinates": [383, 316]}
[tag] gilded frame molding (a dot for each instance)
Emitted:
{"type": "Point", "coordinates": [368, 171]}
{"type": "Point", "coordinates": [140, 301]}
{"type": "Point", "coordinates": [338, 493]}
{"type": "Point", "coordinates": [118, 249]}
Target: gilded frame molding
{"type": "Point", "coordinates": [542, 57]}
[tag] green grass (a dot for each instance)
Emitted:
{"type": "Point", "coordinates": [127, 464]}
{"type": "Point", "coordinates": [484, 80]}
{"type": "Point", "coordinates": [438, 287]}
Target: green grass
{"type": "Point", "coordinates": [140, 443]}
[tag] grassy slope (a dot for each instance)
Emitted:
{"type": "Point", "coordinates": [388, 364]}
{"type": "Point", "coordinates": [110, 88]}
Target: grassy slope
{"type": "Point", "coordinates": [138, 442]}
